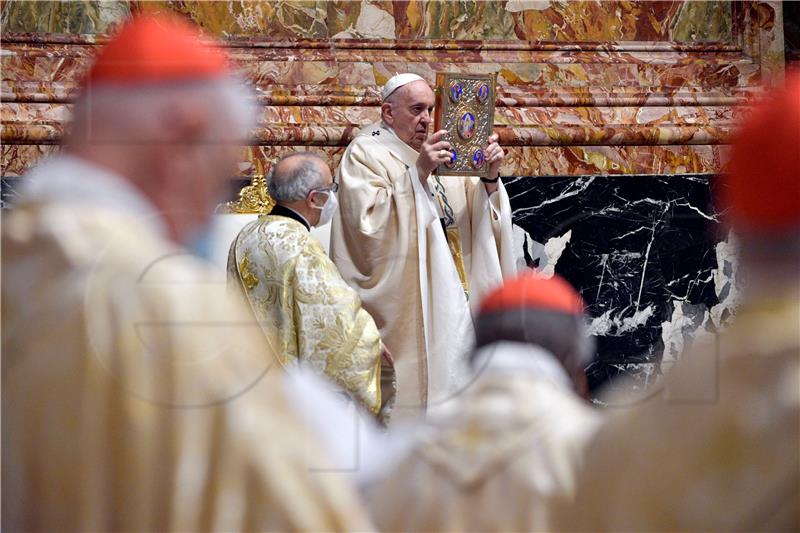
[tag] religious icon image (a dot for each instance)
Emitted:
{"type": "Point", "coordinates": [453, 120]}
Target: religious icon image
{"type": "Point", "coordinates": [482, 93]}
{"type": "Point", "coordinates": [478, 159]}
{"type": "Point", "coordinates": [453, 159]}
{"type": "Point", "coordinates": [466, 126]}
{"type": "Point", "coordinates": [464, 107]}
{"type": "Point", "coordinates": [455, 92]}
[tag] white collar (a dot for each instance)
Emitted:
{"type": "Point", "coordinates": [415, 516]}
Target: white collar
{"type": "Point", "coordinates": [508, 357]}
{"type": "Point", "coordinates": [396, 146]}
{"type": "Point", "coordinates": [66, 178]}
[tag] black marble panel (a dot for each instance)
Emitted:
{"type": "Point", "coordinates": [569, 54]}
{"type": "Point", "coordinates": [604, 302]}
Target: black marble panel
{"type": "Point", "coordinates": [8, 191]}
{"type": "Point", "coordinates": [643, 252]}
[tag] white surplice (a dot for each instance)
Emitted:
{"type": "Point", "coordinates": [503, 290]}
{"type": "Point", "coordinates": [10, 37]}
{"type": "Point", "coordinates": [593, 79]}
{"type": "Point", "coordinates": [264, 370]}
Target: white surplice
{"type": "Point", "coordinates": [389, 244]}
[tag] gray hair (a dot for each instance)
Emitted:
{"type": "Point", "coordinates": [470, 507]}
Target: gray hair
{"type": "Point", "coordinates": [293, 184]}
{"type": "Point", "coordinates": [113, 113]}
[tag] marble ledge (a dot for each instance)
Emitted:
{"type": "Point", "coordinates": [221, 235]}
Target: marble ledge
{"type": "Point", "coordinates": [22, 113]}
{"type": "Point", "coordinates": [23, 89]}
{"type": "Point", "coordinates": [424, 55]}
{"type": "Point", "coordinates": [623, 135]}
{"type": "Point", "coordinates": [520, 161]}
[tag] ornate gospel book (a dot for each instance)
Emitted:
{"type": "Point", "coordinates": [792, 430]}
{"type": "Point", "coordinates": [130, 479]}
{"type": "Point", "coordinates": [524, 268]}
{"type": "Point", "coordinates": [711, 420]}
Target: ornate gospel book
{"type": "Point", "coordinates": [465, 108]}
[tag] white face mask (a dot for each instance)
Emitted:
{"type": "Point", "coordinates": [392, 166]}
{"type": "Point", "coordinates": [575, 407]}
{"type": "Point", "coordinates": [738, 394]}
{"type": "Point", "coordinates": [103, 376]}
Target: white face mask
{"type": "Point", "coordinates": [328, 209]}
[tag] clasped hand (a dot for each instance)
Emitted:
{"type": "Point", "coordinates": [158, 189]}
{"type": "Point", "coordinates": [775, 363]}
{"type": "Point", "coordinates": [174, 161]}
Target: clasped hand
{"type": "Point", "coordinates": [435, 151]}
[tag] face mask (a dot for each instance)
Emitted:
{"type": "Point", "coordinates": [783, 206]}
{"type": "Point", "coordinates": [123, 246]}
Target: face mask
{"type": "Point", "coordinates": [328, 209]}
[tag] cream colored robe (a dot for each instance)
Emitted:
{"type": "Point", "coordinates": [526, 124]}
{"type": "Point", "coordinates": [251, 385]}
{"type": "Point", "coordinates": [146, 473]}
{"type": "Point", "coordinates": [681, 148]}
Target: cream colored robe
{"type": "Point", "coordinates": [388, 243]}
{"type": "Point", "coordinates": [135, 396]}
{"type": "Point", "coordinates": [494, 458]}
{"type": "Point", "coordinates": [307, 312]}
{"type": "Point", "coordinates": [715, 448]}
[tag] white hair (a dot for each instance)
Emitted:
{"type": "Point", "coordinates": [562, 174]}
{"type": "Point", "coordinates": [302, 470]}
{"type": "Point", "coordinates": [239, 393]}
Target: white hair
{"type": "Point", "coordinates": [122, 113]}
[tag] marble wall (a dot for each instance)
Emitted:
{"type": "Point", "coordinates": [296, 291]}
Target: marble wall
{"type": "Point", "coordinates": [614, 115]}
{"type": "Point", "coordinates": [592, 87]}
{"type": "Point", "coordinates": [647, 254]}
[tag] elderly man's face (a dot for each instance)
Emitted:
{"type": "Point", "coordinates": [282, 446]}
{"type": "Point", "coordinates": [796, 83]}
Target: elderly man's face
{"type": "Point", "coordinates": [408, 112]}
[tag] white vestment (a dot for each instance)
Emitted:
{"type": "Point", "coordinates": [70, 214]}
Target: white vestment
{"type": "Point", "coordinates": [136, 397]}
{"type": "Point", "coordinates": [495, 458]}
{"type": "Point", "coordinates": [389, 244]}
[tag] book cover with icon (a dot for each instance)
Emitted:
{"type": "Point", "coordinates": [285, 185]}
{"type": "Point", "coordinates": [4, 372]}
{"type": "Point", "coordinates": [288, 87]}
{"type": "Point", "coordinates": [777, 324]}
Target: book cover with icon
{"type": "Point", "coordinates": [465, 108]}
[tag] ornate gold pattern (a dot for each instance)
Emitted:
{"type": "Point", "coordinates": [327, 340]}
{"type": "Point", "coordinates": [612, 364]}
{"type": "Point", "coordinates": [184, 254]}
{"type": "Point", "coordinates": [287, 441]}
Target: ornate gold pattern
{"type": "Point", "coordinates": [249, 279]}
{"type": "Point", "coordinates": [306, 310]}
{"type": "Point", "coordinates": [454, 242]}
{"type": "Point", "coordinates": [254, 199]}
{"type": "Point", "coordinates": [469, 121]}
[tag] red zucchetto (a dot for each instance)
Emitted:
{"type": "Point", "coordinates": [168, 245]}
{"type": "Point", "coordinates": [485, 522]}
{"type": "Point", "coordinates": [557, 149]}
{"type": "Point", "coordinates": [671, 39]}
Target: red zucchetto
{"type": "Point", "coordinates": [531, 291]}
{"type": "Point", "coordinates": [157, 48]}
{"type": "Point", "coordinates": [763, 178]}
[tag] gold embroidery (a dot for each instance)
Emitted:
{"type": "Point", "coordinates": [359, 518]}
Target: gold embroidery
{"type": "Point", "coordinates": [307, 311]}
{"type": "Point", "coordinates": [454, 242]}
{"type": "Point", "coordinates": [249, 279]}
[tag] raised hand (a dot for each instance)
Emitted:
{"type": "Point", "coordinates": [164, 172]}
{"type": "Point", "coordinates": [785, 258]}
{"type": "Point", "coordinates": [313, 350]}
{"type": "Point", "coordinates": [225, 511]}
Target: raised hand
{"type": "Point", "coordinates": [494, 156]}
{"type": "Point", "coordinates": [433, 152]}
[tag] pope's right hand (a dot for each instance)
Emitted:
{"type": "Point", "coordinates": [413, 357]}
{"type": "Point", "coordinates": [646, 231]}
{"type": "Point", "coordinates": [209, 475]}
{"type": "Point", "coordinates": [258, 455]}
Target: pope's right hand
{"type": "Point", "coordinates": [433, 152]}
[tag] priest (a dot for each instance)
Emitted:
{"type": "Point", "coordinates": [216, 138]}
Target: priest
{"type": "Point", "coordinates": [308, 313]}
{"type": "Point", "coordinates": [418, 248]}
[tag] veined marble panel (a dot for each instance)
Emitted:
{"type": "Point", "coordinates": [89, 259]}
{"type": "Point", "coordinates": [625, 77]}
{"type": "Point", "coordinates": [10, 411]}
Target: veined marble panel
{"type": "Point", "coordinates": [643, 252]}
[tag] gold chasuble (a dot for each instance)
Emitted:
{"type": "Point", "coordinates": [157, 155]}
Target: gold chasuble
{"type": "Point", "coordinates": [307, 312]}
{"type": "Point", "coordinates": [389, 243]}
{"type": "Point", "coordinates": [135, 396]}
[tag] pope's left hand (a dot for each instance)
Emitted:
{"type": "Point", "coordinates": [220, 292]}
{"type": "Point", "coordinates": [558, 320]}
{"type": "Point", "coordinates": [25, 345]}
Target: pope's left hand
{"type": "Point", "coordinates": [494, 156]}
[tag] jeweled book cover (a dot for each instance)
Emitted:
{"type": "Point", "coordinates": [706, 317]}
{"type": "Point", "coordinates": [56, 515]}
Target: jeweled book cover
{"type": "Point", "coordinates": [465, 108]}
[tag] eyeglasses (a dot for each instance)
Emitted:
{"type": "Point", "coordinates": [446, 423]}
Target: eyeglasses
{"type": "Point", "coordinates": [334, 187]}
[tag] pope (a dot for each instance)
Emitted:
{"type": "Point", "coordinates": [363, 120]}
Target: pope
{"type": "Point", "coordinates": [418, 248]}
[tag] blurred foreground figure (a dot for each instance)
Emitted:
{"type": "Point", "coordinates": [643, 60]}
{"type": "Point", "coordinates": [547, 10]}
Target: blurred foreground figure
{"type": "Point", "coordinates": [134, 396]}
{"type": "Point", "coordinates": [494, 457]}
{"type": "Point", "coordinates": [309, 315]}
{"type": "Point", "coordinates": [717, 448]}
